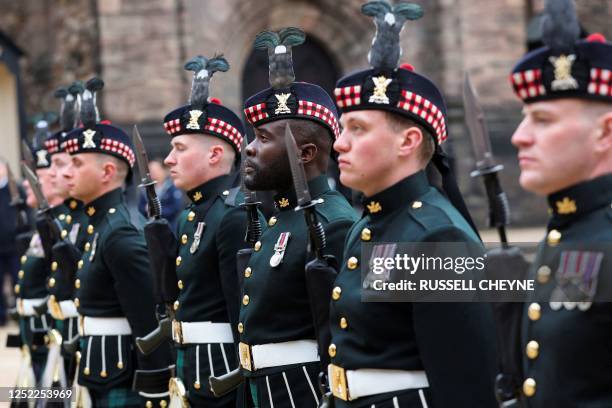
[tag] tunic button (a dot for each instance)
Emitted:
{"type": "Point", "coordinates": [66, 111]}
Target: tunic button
{"type": "Point", "coordinates": [366, 234]}
{"type": "Point", "coordinates": [90, 229]}
{"type": "Point", "coordinates": [77, 302]}
{"type": "Point", "coordinates": [180, 284]}
{"type": "Point", "coordinates": [248, 272]}
{"type": "Point", "coordinates": [343, 323]}
{"type": "Point", "coordinates": [257, 246]}
{"type": "Point", "coordinates": [240, 327]}
{"type": "Point", "coordinates": [529, 387]}
{"type": "Point", "coordinates": [544, 274]}
{"type": "Point", "coordinates": [417, 204]}
{"type": "Point", "coordinates": [272, 221]}
{"type": "Point", "coordinates": [352, 263]}
{"type": "Point", "coordinates": [62, 217]}
{"type": "Point", "coordinates": [176, 305]}
{"type": "Point", "coordinates": [190, 216]}
{"type": "Point", "coordinates": [111, 210]}
{"type": "Point", "coordinates": [54, 266]}
{"type": "Point", "coordinates": [554, 237]}
{"type": "Point", "coordinates": [533, 349]}
{"type": "Point", "coordinates": [51, 282]}
{"type": "Point", "coordinates": [87, 247]}
{"type": "Point", "coordinates": [245, 300]}
{"type": "Point", "coordinates": [178, 260]}
{"type": "Point", "coordinates": [163, 404]}
{"type": "Point", "coordinates": [149, 404]}
{"type": "Point", "coordinates": [23, 259]}
{"type": "Point", "coordinates": [80, 264]}
{"type": "Point", "coordinates": [64, 234]}
{"type": "Point", "coordinates": [534, 311]}
{"type": "Point", "coordinates": [184, 239]}
{"type": "Point", "coordinates": [69, 219]}
{"type": "Point", "coordinates": [336, 293]}
{"type": "Point", "coordinates": [77, 283]}
{"type": "Point", "coordinates": [17, 289]}
{"type": "Point", "coordinates": [226, 193]}
{"type": "Point", "coordinates": [331, 350]}
{"type": "Point", "coordinates": [21, 274]}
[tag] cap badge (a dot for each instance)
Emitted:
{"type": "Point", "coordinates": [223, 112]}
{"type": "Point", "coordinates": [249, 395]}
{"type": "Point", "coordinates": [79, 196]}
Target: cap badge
{"type": "Point", "coordinates": [42, 158]}
{"type": "Point", "coordinates": [89, 143]}
{"type": "Point", "coordinates": [563, 73]}
{"type": "Point", "coordinates": [282, 103]}
{"type": "Point", "coordinates": [194, 115]}
{"type": "Point", "coordinates": [380, 90]}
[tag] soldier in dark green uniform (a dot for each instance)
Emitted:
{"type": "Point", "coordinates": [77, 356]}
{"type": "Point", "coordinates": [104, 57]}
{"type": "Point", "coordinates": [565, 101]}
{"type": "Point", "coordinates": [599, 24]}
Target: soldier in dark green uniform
{"type": "Point", "coordinates": [60, 364]}
{"type": "Point", "coordinates": [565, 153]}
{"type": "Point", "coordinates": [206, 139]}
{"type": "Point", "coordinates": [401, 354]}
{"type": "Point", "coordinates": [30, 289]}
{"type": "Point", "coordinates": [278, 349]}
{"type": "Point", "coordinates": [113, 290]}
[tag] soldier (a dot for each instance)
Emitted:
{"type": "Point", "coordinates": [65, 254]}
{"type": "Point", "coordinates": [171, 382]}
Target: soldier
{"type": "Point", "coordinates": [565, 153]}
{"type": "Point", "coordinates": [113, 292]}
{"type": "Point", "coordinates": [278, 349]}
{"type": "Point", "coordinates": [400, 353]}
{"type": "Point", "coordinates": [60, 283]}
{"type": "Point", "coordinates": [206, 138]}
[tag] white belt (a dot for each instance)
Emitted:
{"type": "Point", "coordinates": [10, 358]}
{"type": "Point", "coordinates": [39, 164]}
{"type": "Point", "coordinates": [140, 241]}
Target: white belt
{"type": "Point", "coordinates": [352, 384]}
{"type": "Point", "coordinates": [25, 307]}
{"type": "Point", "coordinates": [278, 354]}
{"type": "Point", "coordinates": [201, 332]}
{"type": "Point", "coordinates": [104, 326]}
{"type": "Point", "coordinates": [67, 309]}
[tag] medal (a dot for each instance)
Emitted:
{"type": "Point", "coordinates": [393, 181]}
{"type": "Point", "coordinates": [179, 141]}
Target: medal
{"type": "Point", "coordinates": [196, 237]}
{"type": "Point", "coordinates": [279, 249]}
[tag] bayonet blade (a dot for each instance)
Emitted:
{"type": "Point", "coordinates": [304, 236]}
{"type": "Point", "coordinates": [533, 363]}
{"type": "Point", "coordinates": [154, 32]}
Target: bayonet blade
{"type": "Point", "coordinates": [297, 169]}
{"type": "Point", "coordinates": [475, 120]}
{"type": "Point", "coordinates": [43, 205]}
{"type": "Point", "coordinates": [28, 157]}
{"type": "Point", "coordinates": [13, 190]}
{"type": "Point", "coordinates": [141, 158]}
{"type": "Point", "coordinates": [250, 197]}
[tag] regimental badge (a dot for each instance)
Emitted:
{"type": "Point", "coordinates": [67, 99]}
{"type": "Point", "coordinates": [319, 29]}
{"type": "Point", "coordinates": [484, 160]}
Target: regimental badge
{"type": "Point", "coordinates": [197, 196]}
{"type": "Point", "coordinates": [194, 116]}
{"type": "Point", "coordinates": [283, 202]}
{"type": "Point", "coordinates": [374, 207]}
{"type": "Point", "coordinates": [282, 103]}
{"type": "Point", "coordinates": [41, 157]}
{"type": "Point", "coordinates": [91, 211]}
{"type": "Point", "coordinates": [94, 245]}
{"type": "Point", "coordinates": [577, 278]}
{"type": "Point", "coordinates": [279, 249]}
{"type": "Point", "coordinates": [566, 206]}
{"type": "Point", "coordinates": [88, 143]}
{"type": "Point", "coordinates": [197, 236]}
{"type": "Point", "coordinates": [380, 90]}
{"type": "Point", "coordinates": [563, 73]}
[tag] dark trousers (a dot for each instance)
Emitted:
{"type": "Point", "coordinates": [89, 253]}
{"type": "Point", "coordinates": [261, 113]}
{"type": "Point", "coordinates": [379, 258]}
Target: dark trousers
{"type": "Point", "coordinates": [9, 264]}
{"type": "Point", "coordinates": [417, 398]}
{"type": "Point", "coordinates": [294, 387]}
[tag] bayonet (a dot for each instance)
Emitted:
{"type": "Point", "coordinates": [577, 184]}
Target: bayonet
{"type": "Point", "coordinates": [17, 201]}
{"type": "Point", "coordinates": [146, 181]}
{"type": "Point", "coordinates": [28, 157]}
{"type": "Point", "coordinates": [486, 166]}
{"type": "Point", "coordinates": [43, 204]}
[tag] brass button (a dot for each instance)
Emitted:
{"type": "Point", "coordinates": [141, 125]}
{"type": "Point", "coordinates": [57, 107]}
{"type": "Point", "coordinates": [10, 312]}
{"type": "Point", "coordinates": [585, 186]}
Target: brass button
{"type": "Point", "coordinates": [178, 260]}
{"type": "Point", "coordinates": [544, 274]}
{"type": "Point", "coordinates": [184, 239]}
{"type": "Point", "coordinates": [20, 274]}
{"type": "Point", "coordinates": [257, 246]}
{"type": "Point", "coordinates": [533, 349]}
{"type": "Point", "coordinates": [336, 292]}
{"type": "Point", "coordinates": [23, 259]}
{"type": "Point", "coordinates": [51, 282]}
{"type": "Point", "coordinates": [529, 387]}
{"type": "Point", "coordinates": [196, 385]}
{"type": "Point", "coordinates": [77, 302]}
{"type": "Point", "coordinates": [87, 247]}
{"type": "Point", "coordinates": [331, 350]}
{"type": "Point", "coordinates": [69, 219]}
{"type": "Point", "coordinates": [103, 374]}
{"type": "Point", "coordinates": [417, 204]}
{"type": "Point", "coordinates": [343, 323]}
{"type": "Point", "coordinates": [163, 404]}
{"type": "Point", "coordinates": [111, 210]}
{"type": "Point", "coordinates": [90, 229]}
{"type": "Point", "coordinates": [77, 283]}
{"type": "Point", "coordinates": [534, 311]}
{"type": "Point", "coordinates": [64, 234]}
{"type": "Point", "coordinates": [17, 289]}
{"type": "Point", "coordinates": [225, 193]}
{"type": "Point", "coordinates": [553, 237]}
{"type": "Point", "coordinates": [176, 304]}
{"type": "Point", "coordinates": [272, 221]}
{"type": "Point", "coordinates": [149, 404]}
{"type": "Point", "coordinates": [53, 266]}
{"type": "Point", "coordinates": [190, 216]}
{"type": "Point", "coordinates": [120, 365]}
{"type": "Point", "coordinates": [245, 300]}
{"type": "Point", "coordinates": [86, 371]}
{"type": "Point", "coordinates": [366, 234]}
{"type": "Point", "coordinates": [240, 327]}
{"type": "Point", "coordinates": [180, 284]}
{"type": "Point", "coordinates": [62, 217]}
{"type": "Point", "coordinates": [247, 272]}
{"type": "Point", "coordinates": [80, 264]}
{"type": "Point", "coordinates": [352, 263]}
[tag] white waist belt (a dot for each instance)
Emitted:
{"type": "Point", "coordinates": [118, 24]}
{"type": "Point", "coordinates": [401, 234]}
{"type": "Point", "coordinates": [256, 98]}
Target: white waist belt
{"type": "Point", "coordinates": [104, 326]}
{"type": "Point", "coordinates": [371, 381]}
{"type": "Point", "coordinates": [201, 332]}
{"type": "Point", "coordinates": [25, 307]}
{"type": "Point", "coordinates": [67, 309]}
{"type": "Point", "coordinates": [280, 354]}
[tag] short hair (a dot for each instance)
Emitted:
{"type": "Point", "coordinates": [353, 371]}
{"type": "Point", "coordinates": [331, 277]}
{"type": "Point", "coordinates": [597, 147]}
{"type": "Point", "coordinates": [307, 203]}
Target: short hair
{"type": "Point", "coordinates": [398, 123]}
{"type": "Point", "coordinates": [308, 131]}
{"type": "Point", "coordinates": [122, 167]}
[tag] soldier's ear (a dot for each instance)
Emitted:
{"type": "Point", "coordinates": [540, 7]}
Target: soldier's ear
{"type": "Point", "coordinates": [308, 152]}
{"type": "Point", "coordinates": [603, 141]}
{"type": "Point", "coordinates": [215, 154]}
{"type": "Point", "coordinates": [410, 141]}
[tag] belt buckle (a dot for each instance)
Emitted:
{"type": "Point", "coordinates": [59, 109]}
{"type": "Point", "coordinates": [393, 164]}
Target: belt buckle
{"type": "Point", "coordinates": [82, 325]}
{"type": "Point", "coordinates": [177, 331]}
{"type": "Point", "coordinates": [55, 309]}
{"type": "Point", "coordinates": [177, 393]}
{"type": "Point", "coordinates": [245, 356]}
{"type": "Point", "coordinates": [337, 382]}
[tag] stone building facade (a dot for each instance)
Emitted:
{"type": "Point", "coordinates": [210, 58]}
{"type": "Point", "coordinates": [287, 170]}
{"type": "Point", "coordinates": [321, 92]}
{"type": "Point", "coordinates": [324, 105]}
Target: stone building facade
{"type": "Point", "coordinates": [139, 47]}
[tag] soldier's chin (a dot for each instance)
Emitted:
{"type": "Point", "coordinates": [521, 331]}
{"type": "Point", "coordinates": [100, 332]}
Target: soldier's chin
{"type": "Point", "coordinates": [533, 182]}
{"type": "Point", "coordinates": [349, 181]}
